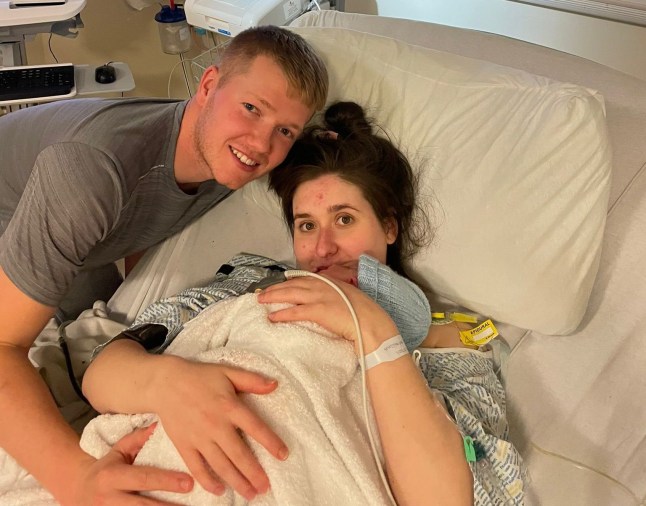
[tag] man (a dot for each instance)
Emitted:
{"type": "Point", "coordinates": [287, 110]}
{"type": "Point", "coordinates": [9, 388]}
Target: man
{"type": "Point", "coordinates": [86, 182]}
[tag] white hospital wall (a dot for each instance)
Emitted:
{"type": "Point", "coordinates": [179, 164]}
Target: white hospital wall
{"type": "Point", "coordinates": [617, 45]}
{"type": "Point", "coordinates": [113, 31]}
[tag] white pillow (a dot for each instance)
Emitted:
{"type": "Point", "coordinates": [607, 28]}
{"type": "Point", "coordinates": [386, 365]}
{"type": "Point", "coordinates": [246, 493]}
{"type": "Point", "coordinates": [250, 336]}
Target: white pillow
{"type": "Point", "coordinates": [515, 169]}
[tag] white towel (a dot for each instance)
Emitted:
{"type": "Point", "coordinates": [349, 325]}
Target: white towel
{"type": "Point", "coordinates": [316, 409]}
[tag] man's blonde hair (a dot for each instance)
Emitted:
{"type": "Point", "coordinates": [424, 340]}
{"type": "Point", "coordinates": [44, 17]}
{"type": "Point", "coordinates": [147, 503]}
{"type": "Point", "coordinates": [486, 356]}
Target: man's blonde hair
{"type": "Point", "coordinates": [304, 70]}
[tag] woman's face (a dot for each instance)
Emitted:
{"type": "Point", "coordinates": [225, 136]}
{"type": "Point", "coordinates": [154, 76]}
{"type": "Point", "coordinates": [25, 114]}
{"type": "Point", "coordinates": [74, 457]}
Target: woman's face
{"type": "Point", "coordinates": [334, 224]}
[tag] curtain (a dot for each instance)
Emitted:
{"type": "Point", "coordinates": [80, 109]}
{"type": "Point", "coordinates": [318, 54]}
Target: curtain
{"type": "Point", "coordinates": [627, 11]}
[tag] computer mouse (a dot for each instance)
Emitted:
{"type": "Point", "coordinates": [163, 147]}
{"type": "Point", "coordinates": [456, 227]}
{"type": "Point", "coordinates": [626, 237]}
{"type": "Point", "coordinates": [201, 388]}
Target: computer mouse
{"type": "Point", "coordinates": [105, 74]}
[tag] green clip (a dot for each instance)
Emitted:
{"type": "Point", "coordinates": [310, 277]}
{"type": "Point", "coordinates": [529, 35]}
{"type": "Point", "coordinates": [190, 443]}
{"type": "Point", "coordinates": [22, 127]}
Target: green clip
{"type": "Point", "coordinates": [469, 450]}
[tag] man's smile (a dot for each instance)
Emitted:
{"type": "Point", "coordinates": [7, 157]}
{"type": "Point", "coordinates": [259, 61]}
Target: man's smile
{"type": "Point", "coordinates": [243, 158]}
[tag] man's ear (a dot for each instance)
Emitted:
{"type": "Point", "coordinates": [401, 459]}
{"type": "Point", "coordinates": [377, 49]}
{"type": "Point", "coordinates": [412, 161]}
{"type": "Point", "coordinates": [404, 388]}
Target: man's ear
{"type": "Point", "coordinates": [391, 229]}
{"type": "Point", "coordinates": [208, 83]}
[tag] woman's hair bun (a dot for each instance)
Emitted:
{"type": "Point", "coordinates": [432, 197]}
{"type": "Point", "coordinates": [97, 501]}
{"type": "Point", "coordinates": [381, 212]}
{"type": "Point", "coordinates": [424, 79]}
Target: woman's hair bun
{"type": "Point", "coordinates": [347, 118]}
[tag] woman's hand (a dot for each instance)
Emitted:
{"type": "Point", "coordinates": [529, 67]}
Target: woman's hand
{"type": "Point", "coordinates": [199, 406]}
{"type": "Point", "coordinates": [316, 301]}
{"type": "Point", "coordinates": [204, 416]}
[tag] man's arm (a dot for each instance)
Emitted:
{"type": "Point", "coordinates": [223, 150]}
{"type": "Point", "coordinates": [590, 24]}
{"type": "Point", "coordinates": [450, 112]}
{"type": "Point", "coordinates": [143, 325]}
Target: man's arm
{"type": "Point", "coordinates": [33, 431]}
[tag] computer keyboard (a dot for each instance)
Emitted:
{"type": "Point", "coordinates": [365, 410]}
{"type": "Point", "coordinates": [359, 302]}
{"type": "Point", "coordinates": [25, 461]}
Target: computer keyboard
{"type": "Point", "coordinates": [36, 81]}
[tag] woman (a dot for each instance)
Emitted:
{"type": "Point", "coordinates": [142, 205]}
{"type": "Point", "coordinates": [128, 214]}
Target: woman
{"type": "Point", "coordinates": [336, 218]}
{"type": "Point", "coordinates": [345, 162]}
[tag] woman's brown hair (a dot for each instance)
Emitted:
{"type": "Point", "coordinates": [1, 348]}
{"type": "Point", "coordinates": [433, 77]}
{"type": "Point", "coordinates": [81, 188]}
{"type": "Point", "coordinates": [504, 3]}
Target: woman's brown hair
{"type": "Point", "coordinates": [346, 146]}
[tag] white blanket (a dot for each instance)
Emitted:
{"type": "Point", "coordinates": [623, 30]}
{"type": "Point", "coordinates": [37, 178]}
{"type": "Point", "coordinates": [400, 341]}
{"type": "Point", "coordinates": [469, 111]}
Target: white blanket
{"type": "Point", "coordinates": [316, 409]}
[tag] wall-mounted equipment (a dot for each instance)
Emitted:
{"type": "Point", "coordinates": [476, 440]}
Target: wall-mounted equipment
{"type": "Point", "coordinates": [230, 17]}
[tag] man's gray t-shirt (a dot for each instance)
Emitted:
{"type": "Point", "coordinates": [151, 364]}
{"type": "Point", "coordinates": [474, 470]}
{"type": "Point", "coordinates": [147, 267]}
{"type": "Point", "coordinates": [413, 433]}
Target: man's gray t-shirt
{"type": "Point", "coordinates": [86, 182]}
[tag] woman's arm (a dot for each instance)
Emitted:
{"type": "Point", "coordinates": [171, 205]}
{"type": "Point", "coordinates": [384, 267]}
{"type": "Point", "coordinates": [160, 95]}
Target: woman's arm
{"type": "Point", "coordinates": [402, 299]}
{"type": "Point", "coordinates": [232, 280]}
{"type": "Point", "coordinates": [423, 448]}
{"type": "Point", "coordinates": [472, 392]}
{"type": "Point", "coordinates": [199, 406]}
{"type": "Point", "coordinates": [125, 378]}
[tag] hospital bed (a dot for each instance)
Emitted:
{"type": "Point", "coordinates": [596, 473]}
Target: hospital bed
{"type": "Point", "coordinates": [579, 395]}
{"type": "Point", "coordinates": [531, 169]}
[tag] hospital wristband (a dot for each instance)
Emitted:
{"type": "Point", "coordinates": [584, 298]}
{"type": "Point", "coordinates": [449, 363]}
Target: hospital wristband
{"type": "Point", "coordinates": [391, 349]}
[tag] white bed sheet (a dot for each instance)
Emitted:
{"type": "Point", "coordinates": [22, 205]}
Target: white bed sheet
{"type": "Point", "coordinates": [582, 395]}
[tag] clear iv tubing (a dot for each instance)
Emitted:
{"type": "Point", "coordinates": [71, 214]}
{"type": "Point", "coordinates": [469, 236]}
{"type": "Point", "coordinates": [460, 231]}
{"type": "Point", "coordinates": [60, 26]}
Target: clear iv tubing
{"type": "Point", "coordinates": [577, 464]}
{"type": "Point", "coordinates": [362, 363]}
{"type": "Point", "coordinates": [585, 467]}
